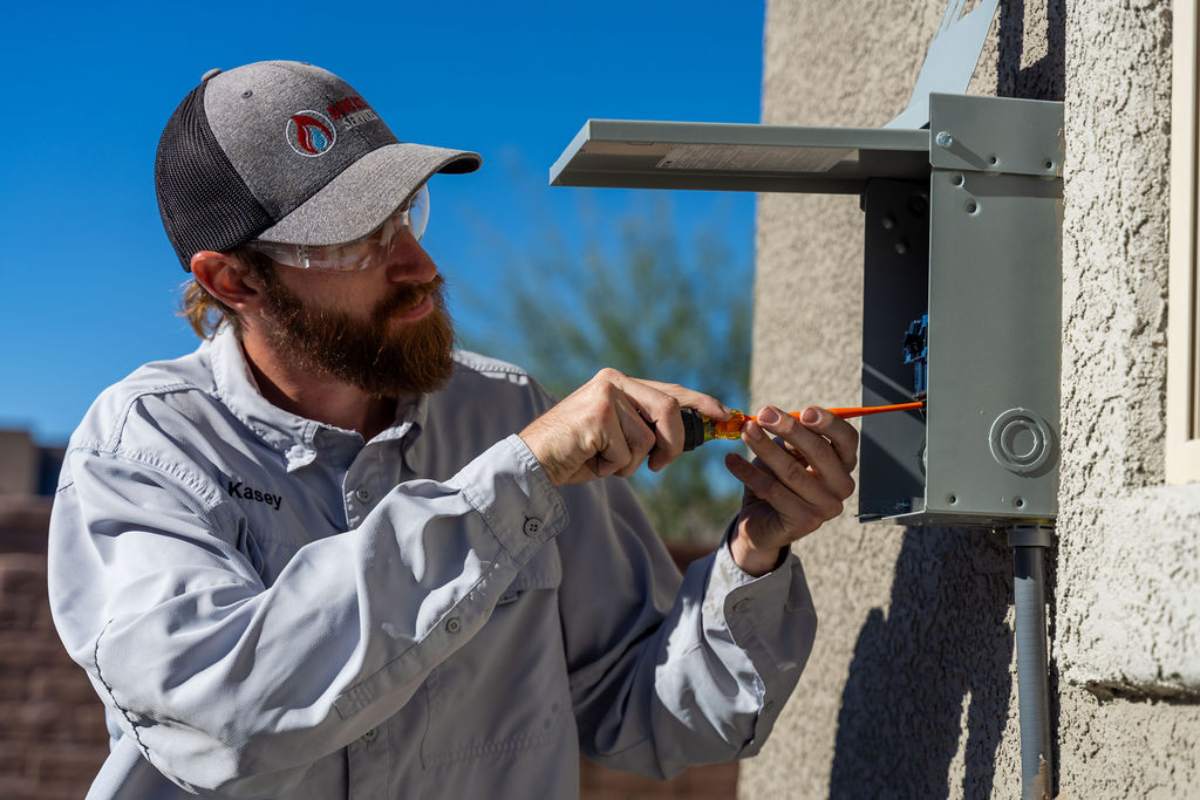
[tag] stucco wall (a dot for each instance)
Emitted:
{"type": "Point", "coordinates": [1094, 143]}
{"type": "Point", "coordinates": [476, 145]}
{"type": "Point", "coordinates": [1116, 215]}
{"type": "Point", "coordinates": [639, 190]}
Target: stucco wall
{"type": "Point", "coordinates": [1129, 558]}
{"type": "Point", "coordinates": [911, 691]}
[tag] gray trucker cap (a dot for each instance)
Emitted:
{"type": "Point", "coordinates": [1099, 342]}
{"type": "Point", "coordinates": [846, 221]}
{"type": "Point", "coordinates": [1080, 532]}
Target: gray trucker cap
{"type": "Point", "coordinates": [283, 152]}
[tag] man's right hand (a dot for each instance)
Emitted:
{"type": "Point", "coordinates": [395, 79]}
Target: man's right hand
{"type": "Point", "coordinates": [611, 424]}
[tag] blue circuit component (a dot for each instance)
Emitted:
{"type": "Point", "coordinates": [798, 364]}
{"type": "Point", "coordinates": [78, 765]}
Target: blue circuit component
{"type": "Point", "coordinates": [916, 352]}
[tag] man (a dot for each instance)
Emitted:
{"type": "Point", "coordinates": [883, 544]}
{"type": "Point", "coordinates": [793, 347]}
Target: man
{"type": "Point", "coordinates": [328, 556]}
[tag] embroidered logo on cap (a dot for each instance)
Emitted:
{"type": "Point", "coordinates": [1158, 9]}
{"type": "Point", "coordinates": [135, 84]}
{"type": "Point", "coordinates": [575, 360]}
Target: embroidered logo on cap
{"type": "Point", "coordinates": [310, 133]}
{"type": "Point", "coordinates": [351, 112]}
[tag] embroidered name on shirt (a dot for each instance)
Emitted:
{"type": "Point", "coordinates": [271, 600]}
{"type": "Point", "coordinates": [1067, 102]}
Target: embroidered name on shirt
{"type": "Point", "coordinates": [243, 492]}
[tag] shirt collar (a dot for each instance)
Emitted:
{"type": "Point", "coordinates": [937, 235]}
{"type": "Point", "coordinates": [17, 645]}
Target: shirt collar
{"type": "Point", "coordinates": [296, 437]}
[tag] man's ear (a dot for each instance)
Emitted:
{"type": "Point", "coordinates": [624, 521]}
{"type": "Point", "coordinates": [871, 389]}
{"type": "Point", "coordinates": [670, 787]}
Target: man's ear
{"type": "Point", "coordinates": [228, 279]}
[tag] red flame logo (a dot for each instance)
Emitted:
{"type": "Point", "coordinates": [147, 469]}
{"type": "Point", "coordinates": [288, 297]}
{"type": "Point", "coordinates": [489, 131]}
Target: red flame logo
{"type": "Point", "coordinates": [310, 134]}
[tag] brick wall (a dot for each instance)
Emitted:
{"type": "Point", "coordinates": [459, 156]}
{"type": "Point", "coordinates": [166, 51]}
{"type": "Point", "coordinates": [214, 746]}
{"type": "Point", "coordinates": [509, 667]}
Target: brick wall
{"type": "Point", "coordinates": [52, 735]}
{"type": "Point", "coordinates": [711, 782]}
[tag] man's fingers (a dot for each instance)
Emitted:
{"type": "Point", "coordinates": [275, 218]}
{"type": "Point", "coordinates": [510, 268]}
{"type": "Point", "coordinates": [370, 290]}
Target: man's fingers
{"type": "Point", "coordinates": [661, 410]}
{"type": "Point", "coordinates": [840, 433]}
{"type": "Point", "coordinates": [656, 406]}
{"type": "Point", "coordinates": [707, 405]}
{"type": "Point", "coordinates": [799, 516]}
{"type": "Point", "coordinates": [612, 451]}
{"type": "Point", "coordinates": [818, 451]}
{"type": "Point", "coordinates": [810, 487]}
{"type": "Point", "coordinates": [637, 439]}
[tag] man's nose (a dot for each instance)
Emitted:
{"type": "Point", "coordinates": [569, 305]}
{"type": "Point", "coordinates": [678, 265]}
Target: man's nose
{"type": "Point", "coordinates": [411, 264]}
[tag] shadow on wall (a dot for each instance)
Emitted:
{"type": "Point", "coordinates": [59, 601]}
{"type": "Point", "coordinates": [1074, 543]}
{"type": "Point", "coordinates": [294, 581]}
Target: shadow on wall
{"type": "Point", "coordinates": [1045, 79]}
{"type": "Point", "coordinates": [940, 657]}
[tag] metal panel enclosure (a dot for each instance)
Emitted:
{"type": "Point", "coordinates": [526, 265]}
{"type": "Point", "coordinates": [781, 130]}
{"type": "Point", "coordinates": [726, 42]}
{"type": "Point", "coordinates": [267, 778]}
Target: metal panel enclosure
{"type": "Point", "coordinates": [991, 429]}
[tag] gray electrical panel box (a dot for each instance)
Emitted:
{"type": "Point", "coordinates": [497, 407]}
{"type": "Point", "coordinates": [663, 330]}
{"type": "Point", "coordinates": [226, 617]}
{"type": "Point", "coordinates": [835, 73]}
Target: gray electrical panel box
{"type": "Point", "coordinates": [963, 274]}
{"type": "Point", "coordinates": [962, 285]}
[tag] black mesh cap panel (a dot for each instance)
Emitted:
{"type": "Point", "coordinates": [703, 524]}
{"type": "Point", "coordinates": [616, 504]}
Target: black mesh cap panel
{"type": "Point", "coordinates": [204, 203]}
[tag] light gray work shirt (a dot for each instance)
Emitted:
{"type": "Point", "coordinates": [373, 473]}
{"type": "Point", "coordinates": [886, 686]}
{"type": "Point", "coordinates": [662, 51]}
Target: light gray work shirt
{"type": "Point", "coordinates": [271, 607]}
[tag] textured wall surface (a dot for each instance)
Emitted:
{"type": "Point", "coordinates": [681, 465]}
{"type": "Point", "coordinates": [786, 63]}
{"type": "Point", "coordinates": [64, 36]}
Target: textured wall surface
{"type": "Point", "coordinates": [1129, 552]}
{"type": "Point", "coordinates": [911, 690]}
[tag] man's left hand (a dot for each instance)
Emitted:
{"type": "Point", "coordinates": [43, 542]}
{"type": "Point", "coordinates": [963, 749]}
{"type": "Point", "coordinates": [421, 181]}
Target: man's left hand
{"type": "Point", "coordinates": [795, 484]}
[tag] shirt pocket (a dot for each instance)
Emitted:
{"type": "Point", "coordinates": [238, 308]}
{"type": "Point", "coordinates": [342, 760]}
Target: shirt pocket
{"type": "Point", "coordinates": [505, 691]}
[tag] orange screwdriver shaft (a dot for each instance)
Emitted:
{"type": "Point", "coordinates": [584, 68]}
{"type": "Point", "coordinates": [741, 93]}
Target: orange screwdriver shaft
{"type": "Point", "coordinates": [844, 413]}
{"type": "Point", "coordinates": [704, 429]}
{"type": "Point", "coordinates": [862, 411]}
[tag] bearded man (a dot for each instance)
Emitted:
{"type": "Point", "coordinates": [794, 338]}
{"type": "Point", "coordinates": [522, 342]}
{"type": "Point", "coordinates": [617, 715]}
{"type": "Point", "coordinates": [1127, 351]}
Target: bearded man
{"type": "Point", "coordinates": [327, 555]}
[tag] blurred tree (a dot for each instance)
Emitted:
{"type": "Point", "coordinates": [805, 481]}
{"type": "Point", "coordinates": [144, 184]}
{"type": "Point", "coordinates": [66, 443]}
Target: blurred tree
{"type": "Point", "coordinates": [652, 309]}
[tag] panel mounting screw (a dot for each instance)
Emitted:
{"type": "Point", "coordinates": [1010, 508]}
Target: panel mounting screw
{"type": "Point", "coordinates": [943, 139]}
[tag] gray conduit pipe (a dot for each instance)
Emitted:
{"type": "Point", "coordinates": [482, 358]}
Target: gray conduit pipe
{"type": "Point", "coordinates": [1029, 543]}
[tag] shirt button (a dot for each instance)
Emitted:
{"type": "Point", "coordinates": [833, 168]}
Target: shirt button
{"type": "Point", "coordinates": [363, 495]}
{"type": "Point", "coordinates": [533, 526]}
{"type": "Point", "coordinates": [370, 735]}
{"type": "Point", "coordinates": [453, 625]}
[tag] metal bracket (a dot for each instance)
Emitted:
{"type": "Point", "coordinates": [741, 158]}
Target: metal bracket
{"type": "Point", "coordinates": [968, 135]}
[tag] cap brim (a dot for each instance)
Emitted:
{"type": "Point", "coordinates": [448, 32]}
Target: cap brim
{"type": "Point", "coordinates": [358, 200]}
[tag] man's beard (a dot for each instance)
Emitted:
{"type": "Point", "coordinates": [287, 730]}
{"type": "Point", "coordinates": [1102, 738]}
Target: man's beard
{"type": "Point", "coordinates": [415, 358]}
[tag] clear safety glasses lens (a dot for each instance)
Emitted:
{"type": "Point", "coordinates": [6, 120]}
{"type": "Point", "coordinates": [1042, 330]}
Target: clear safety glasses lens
{"type": "Point", "coordinates": [370, 251]}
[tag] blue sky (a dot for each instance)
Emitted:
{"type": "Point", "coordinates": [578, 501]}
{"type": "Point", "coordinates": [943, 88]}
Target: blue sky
{"type": "Point", "coordinates": [90, 282]}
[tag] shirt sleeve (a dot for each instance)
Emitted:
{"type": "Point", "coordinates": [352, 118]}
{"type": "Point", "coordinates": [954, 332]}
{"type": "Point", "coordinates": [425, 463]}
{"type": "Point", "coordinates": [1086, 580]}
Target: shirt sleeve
{"type": "Point", "coordinates": [667, 673]}
{"type": "Point", "coordinates": [233, 688]}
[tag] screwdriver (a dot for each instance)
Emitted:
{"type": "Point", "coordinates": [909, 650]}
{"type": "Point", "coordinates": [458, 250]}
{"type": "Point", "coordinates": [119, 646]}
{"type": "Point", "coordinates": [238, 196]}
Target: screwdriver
{"type": "Point", "coordinates": [698, 429]}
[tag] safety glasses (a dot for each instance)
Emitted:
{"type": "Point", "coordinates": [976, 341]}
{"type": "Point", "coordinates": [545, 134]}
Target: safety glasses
{"type": "Point", "coordinates": [367, 252]}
